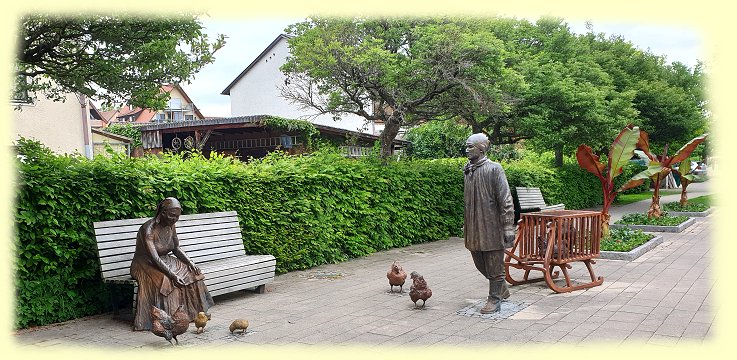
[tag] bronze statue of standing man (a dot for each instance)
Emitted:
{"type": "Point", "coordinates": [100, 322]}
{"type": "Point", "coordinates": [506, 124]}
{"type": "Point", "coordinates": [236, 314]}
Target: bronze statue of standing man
{"type": "Point", "coordinates": [488, 216]}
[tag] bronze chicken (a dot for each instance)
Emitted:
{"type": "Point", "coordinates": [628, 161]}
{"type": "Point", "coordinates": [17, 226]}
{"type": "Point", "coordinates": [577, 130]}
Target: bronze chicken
{"type": "Point", "coordinates": [396, 276]}
{"type": "Point", "coordinates": [419, 289]}
{"type": "Point", "coordinates": [169, 326]}
{"type": "Point", "coordinates": [200, 321]}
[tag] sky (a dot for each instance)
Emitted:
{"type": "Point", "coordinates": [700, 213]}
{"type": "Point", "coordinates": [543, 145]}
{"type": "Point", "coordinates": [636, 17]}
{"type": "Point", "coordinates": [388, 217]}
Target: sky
{"type": "Point", "coordinates": [247, 38]}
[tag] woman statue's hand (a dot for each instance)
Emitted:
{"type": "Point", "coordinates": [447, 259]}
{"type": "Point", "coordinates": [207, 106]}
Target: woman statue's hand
{"type": "Point", "coordinates": [179, 281]}
{"type": "Point", "coordinates": [194, 268]}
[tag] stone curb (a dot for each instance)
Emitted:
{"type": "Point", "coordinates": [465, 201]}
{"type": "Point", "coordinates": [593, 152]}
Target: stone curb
{"type": "Point", "coordinates": [692, 213]}
{"type": "Point", "coordinates": [656, 228]}
{"type": "Point", "coordinates": [634, 253]}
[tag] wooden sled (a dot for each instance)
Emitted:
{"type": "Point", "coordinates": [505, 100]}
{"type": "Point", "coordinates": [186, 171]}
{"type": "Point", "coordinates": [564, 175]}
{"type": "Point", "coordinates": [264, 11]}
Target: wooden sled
{"type": "Point", "coordinates": [555, 238]}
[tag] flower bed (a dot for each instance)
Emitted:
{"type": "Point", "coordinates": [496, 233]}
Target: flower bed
{"type": "Point", "coordinates": [627, 244]}
{"type": "Point", "coordinates": [665, 223]}
{"type": "Point", "coordinates": [698, 207]}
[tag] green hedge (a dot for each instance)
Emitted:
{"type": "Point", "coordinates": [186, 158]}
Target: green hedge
{"type": "Point", "coordinates": [306, 211]}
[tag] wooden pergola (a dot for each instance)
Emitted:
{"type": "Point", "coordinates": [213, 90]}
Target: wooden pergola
{"type": "Point", "coordinates": [242, 136]}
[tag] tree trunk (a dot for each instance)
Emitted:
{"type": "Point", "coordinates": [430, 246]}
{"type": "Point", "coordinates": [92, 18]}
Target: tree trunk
{"type": "Point", "coordinates": [559, 156]}
{"type": "Point", "coordinates": [684, 197]}
{"type": "Point", "coordinates": [655, 210]}
{"type": "Point", "coordinates": [605, 224]}
{"type": "Point", "coordinates": [391, 129]}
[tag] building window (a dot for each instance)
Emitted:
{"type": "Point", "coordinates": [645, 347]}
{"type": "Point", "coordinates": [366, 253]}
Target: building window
{"type": "Point", "coordinates": [188, 117]}
{"type": "Point", "coordinates": [20, 96]}
{"type": "Point", "coordinates": [175, 103]}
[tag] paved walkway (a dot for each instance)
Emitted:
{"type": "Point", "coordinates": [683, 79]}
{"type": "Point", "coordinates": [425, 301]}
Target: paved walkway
{"type": "Point", "coordinates": [661, 299]}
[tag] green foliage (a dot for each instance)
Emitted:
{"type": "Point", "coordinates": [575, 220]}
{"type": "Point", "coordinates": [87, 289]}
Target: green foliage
{"type": "Point", "coordinates": [110, 57]}
{"type": "Point", "coordinates": [128, 130]}
{"type": "Point", "coordinates": [624, 239]}
{"type": "Point", "coordinates": [307, 130]}
{"type": "Point", "coordinates": [406, 65]}
{"type": "Point", "coordinates": [701, 203]}
{"type": "Point", "coordinates": [438, 139]}
{"type": "Point", "coordinates": [642, 219]}
{"type": "Point", "coordinates": [306, 211]}
{"type": "Point", "coordinates": [628, 171]}
{"type": "Point", "coordinates": [568, 184]}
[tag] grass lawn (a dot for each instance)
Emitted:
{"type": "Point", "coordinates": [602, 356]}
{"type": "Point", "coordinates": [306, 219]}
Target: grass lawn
{"type": "Point", "coordinates": [624, 199]}
{"type": "Point", "coordinates": [624, 239]}
{"type": "Point", "coordinates": [701, 203]}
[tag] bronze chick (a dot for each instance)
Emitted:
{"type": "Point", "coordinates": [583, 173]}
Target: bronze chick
{"type": "Point", "coordinates": [239, 324]}
{"type": "Point", "coordinates": [200, 321]}
{"type": "Point", "coordinates": [167, 326]}
{"type": "Point", "coordinates": [419, 289]}
{"type": "Point", "coordinates": [396, 276]}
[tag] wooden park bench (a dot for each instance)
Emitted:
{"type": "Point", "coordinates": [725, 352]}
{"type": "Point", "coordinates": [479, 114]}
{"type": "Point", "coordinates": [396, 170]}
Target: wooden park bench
{"type": "Point", "coordinates": [212, 241]}
{"type": "Point", "coordinates": [531, 199]}
{"type": "Point", "coordinates": [555, 238]}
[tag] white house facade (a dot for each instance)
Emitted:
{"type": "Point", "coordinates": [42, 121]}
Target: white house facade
{"type": "Point", "coordinates": [256, 92]}
{"type": "Point", "coordinates": [61, 126]}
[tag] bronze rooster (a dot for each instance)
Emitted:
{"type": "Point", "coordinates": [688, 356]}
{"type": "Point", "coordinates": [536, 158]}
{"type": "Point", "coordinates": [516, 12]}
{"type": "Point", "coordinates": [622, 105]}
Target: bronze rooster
{"type": "Point", "coordinates": [419, 289]}
{"type": "Point", "coordinates": [396, 276]}
{"type": "Point", "coordinates": [168, 326]}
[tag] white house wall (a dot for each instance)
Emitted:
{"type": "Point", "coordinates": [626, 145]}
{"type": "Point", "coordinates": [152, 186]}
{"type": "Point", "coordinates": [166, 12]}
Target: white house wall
{"type": "Point", "coordinates": [58, 125]}
{"type": "Point", "coordinates": [257, 93]}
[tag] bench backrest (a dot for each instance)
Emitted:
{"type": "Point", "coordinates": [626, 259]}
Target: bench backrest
{"type": "Point", "coordinates": [530, 197]}
{"type": "Point", "coordinates": [203, 237]}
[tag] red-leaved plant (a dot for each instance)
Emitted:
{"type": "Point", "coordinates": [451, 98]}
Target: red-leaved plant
{"type": "Point", "coordinates": [620, 153]}
{"type": "Point", "coordinates": [660, 166]}
{"type": "Point", "coordinates": [685, 173]}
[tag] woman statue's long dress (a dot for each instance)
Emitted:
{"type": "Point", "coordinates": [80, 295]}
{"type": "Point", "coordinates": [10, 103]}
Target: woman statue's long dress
{"type": "Point", "coordinates": [163, 280]}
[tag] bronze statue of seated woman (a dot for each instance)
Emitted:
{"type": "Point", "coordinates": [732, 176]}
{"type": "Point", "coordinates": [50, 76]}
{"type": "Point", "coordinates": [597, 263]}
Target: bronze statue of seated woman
{"type": "Point", "coordinates": [165, 281]}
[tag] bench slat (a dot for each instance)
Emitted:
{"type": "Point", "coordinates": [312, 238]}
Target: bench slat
{"type": "Point", "coordinates": [199, 256]}
{"type": "Point", "coordinates": [223, 270]}
{"type": "Point", "coordinates": [139, 221]}
{"type": "Point", "coordinates": [532, 198]}
{"type": "Point", "coordinates": [108, 241]}
{"type": "Point", "coordinates": [240, 284]}
{"type": "Point", "coordinates": [129, 245]}
{"type": "Point", "coordinates": [133, 226]}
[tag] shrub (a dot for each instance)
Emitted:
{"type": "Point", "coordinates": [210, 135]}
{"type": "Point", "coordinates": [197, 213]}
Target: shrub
{"type": "Point", "coordinates": [438, 139]}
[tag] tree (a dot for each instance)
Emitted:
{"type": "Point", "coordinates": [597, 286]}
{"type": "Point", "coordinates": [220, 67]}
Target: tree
{"type": "Point", "coordinates": [438, 139]}
{"type": "Point", "coordinates": [393, 70]}
{"type": "Point", "coordinates": [669, 99]}
{"type": "Point", "coordinates": [109, 57]}
{"type": "Point", "coordinates": [571, 99]}
{"type": "Point", "coordinates": [490, 109]}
